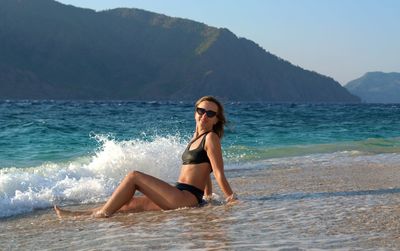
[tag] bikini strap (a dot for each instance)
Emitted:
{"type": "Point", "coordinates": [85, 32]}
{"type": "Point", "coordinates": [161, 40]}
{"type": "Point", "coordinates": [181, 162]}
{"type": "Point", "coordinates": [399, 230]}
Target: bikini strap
{"type": "Point", "coordinates": [203, 141]}
{"type": "Point", "coordinates": [198, 137]}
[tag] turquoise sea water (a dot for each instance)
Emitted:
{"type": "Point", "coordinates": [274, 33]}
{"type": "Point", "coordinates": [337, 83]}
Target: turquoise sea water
{"type": "Point", "coordinates": [70, 152]}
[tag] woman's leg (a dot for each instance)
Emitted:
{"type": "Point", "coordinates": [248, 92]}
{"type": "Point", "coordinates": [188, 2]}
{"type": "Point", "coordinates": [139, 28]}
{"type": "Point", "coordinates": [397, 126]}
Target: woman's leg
{"type": "Point", "coordinates": [136, 204]}
{"type": "Point", "coordinates": [139, 204]}
{"type": "Point", "coordinates": [159, 192]}
{"type": "Point", "coordinates": [158, 195]}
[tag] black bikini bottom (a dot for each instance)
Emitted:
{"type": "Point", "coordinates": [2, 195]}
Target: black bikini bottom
{"type": "Point", "coordinates": [192, 189]}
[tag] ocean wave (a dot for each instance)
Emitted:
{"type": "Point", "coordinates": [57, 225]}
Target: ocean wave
{"type": "Point", "coordinates": [371, 146]}
{"type": "Point", "coordinates": [321, 160]}
{"type": "Point", "coordinates": [87, 179]}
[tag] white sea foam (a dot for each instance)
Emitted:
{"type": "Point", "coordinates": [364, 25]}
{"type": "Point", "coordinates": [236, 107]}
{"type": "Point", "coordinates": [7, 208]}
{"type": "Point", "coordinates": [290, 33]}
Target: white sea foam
{"type": "Point", "coordinates": [87, 179]}
{"type": "Point", "coordinates": [339, 159]}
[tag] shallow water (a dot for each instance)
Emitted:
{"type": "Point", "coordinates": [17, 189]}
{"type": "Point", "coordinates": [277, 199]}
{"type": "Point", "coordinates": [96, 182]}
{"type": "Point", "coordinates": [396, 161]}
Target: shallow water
{"type": "Point", "coordinates": [354, 207]}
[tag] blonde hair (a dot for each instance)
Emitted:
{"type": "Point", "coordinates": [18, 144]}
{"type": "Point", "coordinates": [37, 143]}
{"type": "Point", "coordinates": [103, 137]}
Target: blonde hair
{"type": "Point", "coordinates": [218, 128]}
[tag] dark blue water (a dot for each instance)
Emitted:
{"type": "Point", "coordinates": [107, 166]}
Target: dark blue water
{"type": "Point", "coordinates": [33, 132]}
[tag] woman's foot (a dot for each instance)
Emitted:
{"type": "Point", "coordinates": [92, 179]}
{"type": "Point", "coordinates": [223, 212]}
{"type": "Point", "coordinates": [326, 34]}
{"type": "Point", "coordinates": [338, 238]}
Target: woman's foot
{"type": "Point", "coordinates": [100, 214]}
{"type": "Point", "coordinates": [65, 213]}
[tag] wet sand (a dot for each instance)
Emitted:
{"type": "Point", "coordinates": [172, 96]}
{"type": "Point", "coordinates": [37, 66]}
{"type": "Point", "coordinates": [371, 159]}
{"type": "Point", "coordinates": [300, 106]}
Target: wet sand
{"type": "Point", "coordinates": [302, 207]}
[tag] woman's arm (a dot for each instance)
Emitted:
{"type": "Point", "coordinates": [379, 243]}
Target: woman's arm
{"type": "Point", "coordinates": [214, 152]}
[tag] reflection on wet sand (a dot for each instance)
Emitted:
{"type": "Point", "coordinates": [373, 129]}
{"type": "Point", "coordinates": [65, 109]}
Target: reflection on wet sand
{"type": "Point", "coordinates": [301, 196]}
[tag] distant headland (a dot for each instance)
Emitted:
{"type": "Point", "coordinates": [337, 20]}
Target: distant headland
{"type": "Point", "coordinates": [377, 87]}
{"type": "Point", "coordinates": [54, 51]}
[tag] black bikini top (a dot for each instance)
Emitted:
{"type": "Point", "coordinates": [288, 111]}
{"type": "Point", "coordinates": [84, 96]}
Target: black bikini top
{"type": "Point", "coordinates": [198, 155]}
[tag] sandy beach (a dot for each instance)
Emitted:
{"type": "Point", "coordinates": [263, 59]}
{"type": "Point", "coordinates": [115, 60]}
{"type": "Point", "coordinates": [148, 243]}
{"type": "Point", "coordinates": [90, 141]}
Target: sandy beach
{"type": "Point", "coordinates": [309, 207]}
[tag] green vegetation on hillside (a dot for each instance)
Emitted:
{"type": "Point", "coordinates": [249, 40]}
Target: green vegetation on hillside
{"type": "Point", "coordinates": [54, 51]}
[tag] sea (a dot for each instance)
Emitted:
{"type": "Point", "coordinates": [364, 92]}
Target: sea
{"type": "Point", "coordinates": [76, 152]}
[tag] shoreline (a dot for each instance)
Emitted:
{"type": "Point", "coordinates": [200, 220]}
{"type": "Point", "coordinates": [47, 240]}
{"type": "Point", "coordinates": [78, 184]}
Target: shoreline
{"type": "Point", "coordinates": [310, 207]}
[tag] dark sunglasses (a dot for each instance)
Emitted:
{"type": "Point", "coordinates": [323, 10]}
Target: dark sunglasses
{"type": "Point", "coordinates": [208, 113]}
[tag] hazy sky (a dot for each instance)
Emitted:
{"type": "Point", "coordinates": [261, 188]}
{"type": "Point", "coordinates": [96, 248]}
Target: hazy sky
{"type": "Point", "coordinates": [342, 39]}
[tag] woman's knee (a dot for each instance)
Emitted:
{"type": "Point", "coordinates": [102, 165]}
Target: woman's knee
{"type": "Point", "coordinates": [134, 175]}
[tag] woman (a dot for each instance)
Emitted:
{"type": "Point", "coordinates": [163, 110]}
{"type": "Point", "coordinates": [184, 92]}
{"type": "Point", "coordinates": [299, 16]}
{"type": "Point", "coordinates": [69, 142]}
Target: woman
{"type": "Point", "coordinates": [202, 156]}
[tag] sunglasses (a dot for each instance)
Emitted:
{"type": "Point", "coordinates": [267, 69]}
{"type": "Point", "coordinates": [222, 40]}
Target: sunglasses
{"type": "Point", "coordinates": [208, 113]}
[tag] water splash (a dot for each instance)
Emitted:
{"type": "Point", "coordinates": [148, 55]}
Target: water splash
{"type": "Point", "coordinates": [87, 179]}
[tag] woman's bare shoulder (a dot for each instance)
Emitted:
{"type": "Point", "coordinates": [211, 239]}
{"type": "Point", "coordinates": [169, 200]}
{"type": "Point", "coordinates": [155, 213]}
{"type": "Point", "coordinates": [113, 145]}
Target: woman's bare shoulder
{"type": "Point", "coordinates": [213, 138]}
{"type": "Point", "coordinates": [213, 135]}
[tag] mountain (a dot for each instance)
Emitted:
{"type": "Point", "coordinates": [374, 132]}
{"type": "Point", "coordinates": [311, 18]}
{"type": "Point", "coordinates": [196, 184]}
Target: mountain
{"type": "Point", "coordinates": [49, 50]}
{"type": "Point", "coordinates": [376, 87]}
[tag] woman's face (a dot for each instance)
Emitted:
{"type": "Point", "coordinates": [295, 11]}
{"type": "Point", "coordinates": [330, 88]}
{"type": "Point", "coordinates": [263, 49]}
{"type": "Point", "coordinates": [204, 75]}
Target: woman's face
{"type": "Point", "coordinates": [206, 115]}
